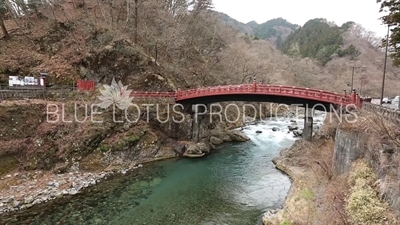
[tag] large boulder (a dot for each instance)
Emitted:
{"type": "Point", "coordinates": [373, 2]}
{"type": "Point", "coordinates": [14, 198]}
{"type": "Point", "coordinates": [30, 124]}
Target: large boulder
{"type": "Point", "coordinates": [237, 136]}
{"type": "Point", "coordinates": [216, 141]}
{"type": "Point", "coordinates": [200, 148]}
{"type": "Point", "coordinates": [179, 148]}
{"type": "Point", "coordinates": [221, 135]}
{"type": "Point", "coordinates": [297, 133]}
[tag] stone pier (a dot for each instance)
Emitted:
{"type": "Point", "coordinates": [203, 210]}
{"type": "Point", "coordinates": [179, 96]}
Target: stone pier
{"type": "Point", "coordinates": [197, 116]}
{"type": "Point", "coordinates": [308, 124]}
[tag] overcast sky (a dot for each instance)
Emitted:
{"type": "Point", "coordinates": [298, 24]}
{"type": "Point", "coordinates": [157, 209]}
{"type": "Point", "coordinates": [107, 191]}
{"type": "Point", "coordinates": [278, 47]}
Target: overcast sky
{"type": "Point", "coordinates": [364, 12]}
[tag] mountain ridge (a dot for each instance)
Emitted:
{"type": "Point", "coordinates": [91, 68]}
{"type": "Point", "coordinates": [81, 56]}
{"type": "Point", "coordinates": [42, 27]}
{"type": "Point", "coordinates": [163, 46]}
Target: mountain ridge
{"type": "Point", "coordinates": [274, 30]}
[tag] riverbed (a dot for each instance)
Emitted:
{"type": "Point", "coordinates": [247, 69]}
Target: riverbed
{"type": "Point", "coordinates": [233, 185]}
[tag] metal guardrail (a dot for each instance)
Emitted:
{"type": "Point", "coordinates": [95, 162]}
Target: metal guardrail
{"type": "Point", "coordinates": [392, 115]}
{"type": "Point", "coordinates": [35, 94]}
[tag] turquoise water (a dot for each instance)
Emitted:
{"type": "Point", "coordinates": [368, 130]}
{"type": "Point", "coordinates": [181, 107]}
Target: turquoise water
{"type": "Point", "coordinates": [234, 185]}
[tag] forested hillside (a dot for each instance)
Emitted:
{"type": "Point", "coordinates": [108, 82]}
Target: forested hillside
{"type": "Point", "coordinates": [319, 40]}
{"type": "Point", "coordinates": [151, 44]}
{"type": "Point", "coordinates": [322, 54]}
{"type": "Point", "coordinates": [272, 28]}
{"type": "Point", "coordinates": [164, 45]}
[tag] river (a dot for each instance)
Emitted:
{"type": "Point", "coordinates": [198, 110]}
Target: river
{"type": "Point", "coordinates": [233, 185]}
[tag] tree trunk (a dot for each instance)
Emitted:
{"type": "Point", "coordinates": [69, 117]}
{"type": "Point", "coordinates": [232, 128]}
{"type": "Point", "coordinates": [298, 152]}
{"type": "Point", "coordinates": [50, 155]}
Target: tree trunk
{"type": "Point", "coordinates": [3, 28]}
{"type": "Point", "coordinates": [112, 13]}
{"type": "Point", "coordinates": [156, 58]}
{"type": "Point", "coordinates": [136, 21]}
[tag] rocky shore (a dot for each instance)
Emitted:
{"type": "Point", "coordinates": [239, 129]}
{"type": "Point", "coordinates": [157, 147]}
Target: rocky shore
{"type": "Point", "coordinates": [27, 189]}
{"type": "Point", "coordinates": [32, 188]}
{"type": "Point", "coordinates": [43, 161]}
{"type": "Point", "coordinates": [307, 164]}
{"type": "Point", "coordinates": [41, 177]}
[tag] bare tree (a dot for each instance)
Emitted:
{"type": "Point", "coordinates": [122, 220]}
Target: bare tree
{"type": "Point", "coordinates": [3, 11]}
{"type": "Point", "coordinates": [175, 7]}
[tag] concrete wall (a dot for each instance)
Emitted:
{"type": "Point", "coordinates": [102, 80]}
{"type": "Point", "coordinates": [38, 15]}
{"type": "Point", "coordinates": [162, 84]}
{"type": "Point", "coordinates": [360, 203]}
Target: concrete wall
{"type": "Point", "coordinates": [382, 157]}
{"type": "Point", "coordinates": [349, 146]}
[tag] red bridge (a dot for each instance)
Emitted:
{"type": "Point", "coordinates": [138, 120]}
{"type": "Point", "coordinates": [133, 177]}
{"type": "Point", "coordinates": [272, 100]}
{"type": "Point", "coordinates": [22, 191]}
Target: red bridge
{"type": "Point", "coordinates": [257, 93]}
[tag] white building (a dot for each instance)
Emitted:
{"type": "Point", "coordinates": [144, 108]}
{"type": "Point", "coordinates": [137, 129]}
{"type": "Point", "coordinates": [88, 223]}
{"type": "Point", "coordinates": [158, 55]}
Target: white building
{"type": "Point", "coordinates": [14, 81]}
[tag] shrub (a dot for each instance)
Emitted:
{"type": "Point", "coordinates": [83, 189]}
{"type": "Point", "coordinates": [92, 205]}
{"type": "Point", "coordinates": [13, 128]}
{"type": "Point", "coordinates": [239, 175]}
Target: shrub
{"type": "Point", "coordinates": [361, 171]}
{"type": "Point", "coordinates": [363, 204]}
{"type": "Point", "coordinates": [103, 148]}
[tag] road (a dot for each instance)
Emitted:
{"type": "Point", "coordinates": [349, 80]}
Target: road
{"type": "Point", "coordinates": [394, 105]}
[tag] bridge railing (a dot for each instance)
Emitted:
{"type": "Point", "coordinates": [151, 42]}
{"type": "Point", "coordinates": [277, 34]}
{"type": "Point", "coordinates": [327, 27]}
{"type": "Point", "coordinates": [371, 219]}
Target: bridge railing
{"type": "Point", "coordinates": [228, 89]}
{"type": "Point", "coordinates": [85, 85]}
{"type": "Point", "coordinates": [266, 89]}
{"type": "Point", "coordinates": [391, 115]}
{"type": "Point", "coordinates": [279, 90]}
{"type": "Point", "coordinates": [142, 94]}
{"type": "Point", "coordinates": [304, 92]}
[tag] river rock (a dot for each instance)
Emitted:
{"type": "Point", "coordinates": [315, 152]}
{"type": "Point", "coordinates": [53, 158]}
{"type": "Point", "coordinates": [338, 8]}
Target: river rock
{"type": "Point", "coordinates": [98, 221]}
{"type": "Point", "coordinates": [212, 147]}
{"type": "Point", "coordinates": [29, 200]}
{"type": "Point", "coordinates": [297, 133]}
{"type": "Point", "coordinates": [275, 129]}
{"type": "Point", "coordinates": [16, 203]}
{"type": "Point", "coordinates": [269, 217]}
{"type": "Point", "coordinates": [198, 149]}
{"type": "Point", "coordinates": [203, 147]}
{"type": "Point", "coordinates": [8, 200]}
{"type": "Point", "coordinates": [292, 128]}
{"type": "Point", "coordinates": [216, 141]}
{"type": "Point", "coordinates": [249, 120]}
{"type": "Point", "coordinates": [258, 132]}
{"type": "Point", "coordinates": [73, 191]}
{"type": "Point", "coordinates": [221, 135]}
{"type": "Point", "coordinates": [37, 201]}
{"type": "Point", "coordinates": [237, 136]}
{"type": "Point", "coordinates": [193, 149]}
{"type": "Point", "coordinates": [179, 148]}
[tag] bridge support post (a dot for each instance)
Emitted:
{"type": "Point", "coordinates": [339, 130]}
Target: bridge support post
{"type": "Point", "coordinates": [308, 124]}
{"type": "Point", "coordinates": [197, 118]}
{"type": "Point", "coordinates": [196, 129]}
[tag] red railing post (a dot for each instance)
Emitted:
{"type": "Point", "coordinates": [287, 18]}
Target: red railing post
{"type": "Point", "coordinates": [178, 94]}
{"type": "Point", "coordinates": [358, 101]}
{"type": "Point", "coordinates": [353, 97]}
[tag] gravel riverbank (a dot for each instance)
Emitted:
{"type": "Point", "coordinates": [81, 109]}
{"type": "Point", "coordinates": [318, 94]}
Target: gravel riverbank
{"type": "Point", "coordinates": [30, 188]}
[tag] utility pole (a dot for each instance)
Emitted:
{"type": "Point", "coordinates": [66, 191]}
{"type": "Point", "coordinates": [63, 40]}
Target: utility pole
{"type": "Point", "coordinates": [362, 81]}
{"type": "Point", "coordinates": [384, 66]}
{"type": "Point", "coordinates": [352, 76]}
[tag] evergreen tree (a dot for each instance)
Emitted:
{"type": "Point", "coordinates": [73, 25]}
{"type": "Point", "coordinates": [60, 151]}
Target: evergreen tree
{"type": "Point", "coordinates": [393, 20]}
{"type": "Point", "coordinates": [318, 40]}
{"type": "Point", "coordinates": [3, 11]}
